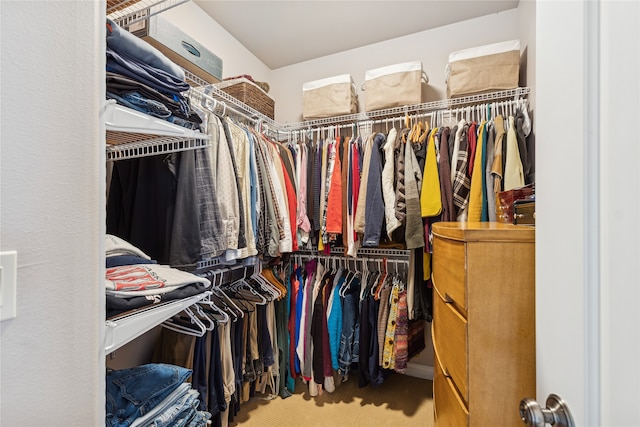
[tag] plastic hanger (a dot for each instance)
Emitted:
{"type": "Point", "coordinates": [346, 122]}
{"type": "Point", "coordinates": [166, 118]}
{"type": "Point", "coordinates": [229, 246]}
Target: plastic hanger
{"type": "Point", "coordinates": [213, 312]}
{"type": "Point", "coordinates": [226, 302]}
{"type": "Point", "coordinates": [190, 325]}
{"type": "Point", "coordinates": [207, 320]}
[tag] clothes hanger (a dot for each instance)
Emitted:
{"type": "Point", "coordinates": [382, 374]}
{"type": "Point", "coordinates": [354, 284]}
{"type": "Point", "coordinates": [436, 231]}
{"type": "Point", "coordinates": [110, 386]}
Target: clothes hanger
{"type": "Point", "coordinates": [190, 325]}
{"type": "Point", "coordinates": [207, 320]}
{"type": "Point", "coordinates": [226, 304]}
{"type": "Point", "coordinates": [215, 313]}
{"type": "Point", "coordinates": [248, 293]}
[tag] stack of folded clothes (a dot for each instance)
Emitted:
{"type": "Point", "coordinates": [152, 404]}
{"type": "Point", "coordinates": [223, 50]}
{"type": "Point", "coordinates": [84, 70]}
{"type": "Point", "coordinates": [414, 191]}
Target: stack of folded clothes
{"type": "Point", "coordinates": [155, 394]}
{"type": "Point", "coordinates": [133, 280]}
{"type": "Point", "coordinates": [141, 77]}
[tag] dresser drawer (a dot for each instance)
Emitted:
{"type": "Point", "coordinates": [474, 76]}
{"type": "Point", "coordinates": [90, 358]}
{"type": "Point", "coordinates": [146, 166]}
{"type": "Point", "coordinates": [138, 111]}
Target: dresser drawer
{"type": "Point", "coordinates": [449, 271]}
{"type": "Point", "coordinates": [448, 408]}
{"type": "Point", "coordinates": [450, 340]}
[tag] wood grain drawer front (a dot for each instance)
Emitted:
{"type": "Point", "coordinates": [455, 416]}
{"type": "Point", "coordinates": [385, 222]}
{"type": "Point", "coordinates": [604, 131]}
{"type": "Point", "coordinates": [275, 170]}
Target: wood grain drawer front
{"type": "Point", "coordinates": [449, 410]}
{"type": "Point", "coordinates": [450, 338]}
{"type": "Point", "coordinates": [449, 271]}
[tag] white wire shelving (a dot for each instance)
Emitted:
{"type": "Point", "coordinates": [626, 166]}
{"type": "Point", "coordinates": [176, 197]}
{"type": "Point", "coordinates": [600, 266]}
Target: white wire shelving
{"type": "Point", "coordinates": [132, 134]}
{"type": "Point", "coordinates": [127, 12]}
{"type": "Point", "coordinates": [516, 93]}
{"type": "Point", "coordinates": [213, 94]}
{"type": "Point", "coordinates": [127, 327]}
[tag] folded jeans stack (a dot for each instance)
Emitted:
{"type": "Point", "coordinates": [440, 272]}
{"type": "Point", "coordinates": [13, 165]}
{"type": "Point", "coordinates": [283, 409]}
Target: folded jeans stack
{"type": "Point", "coordinates": [152, 395]}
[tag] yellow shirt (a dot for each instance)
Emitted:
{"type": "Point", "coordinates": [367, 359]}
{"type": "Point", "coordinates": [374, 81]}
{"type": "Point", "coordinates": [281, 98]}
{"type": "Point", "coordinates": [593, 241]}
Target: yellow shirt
{"type": "Point", "coordinates": [475, 194]}
{"type": "Point", "coordinates": [430, 198]}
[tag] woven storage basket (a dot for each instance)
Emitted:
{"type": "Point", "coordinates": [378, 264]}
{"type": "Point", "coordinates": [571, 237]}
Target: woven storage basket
{"type": "Point", "coordinates": [249, 93]}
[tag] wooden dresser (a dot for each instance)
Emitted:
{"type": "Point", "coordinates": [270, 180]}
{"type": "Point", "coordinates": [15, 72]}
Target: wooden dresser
{"type": "Point", "coordinates": [483, 323]}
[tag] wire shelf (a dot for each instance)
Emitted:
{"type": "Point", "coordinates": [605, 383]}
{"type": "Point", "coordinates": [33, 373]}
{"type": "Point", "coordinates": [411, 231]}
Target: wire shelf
{"type": "Point", "coordinates": [424, 107]}
{"type": "Point", "coordinates": [152, 147]}
{"type": "Point", "coordinates": [127, 12]}
{"type": "Point", "coordinates": [193, 80]}
{"type": "Point", "coordinates": [126, 327]}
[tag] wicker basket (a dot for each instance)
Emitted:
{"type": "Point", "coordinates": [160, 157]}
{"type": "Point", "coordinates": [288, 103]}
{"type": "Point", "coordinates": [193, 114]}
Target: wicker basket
{"type": "Point", "coordinates": [249, 93]}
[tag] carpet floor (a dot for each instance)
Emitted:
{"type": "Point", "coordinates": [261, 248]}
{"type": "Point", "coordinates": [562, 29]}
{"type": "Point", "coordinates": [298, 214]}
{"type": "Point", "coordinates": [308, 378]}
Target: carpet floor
{"type": "Point", "coordinates": [401, 401]}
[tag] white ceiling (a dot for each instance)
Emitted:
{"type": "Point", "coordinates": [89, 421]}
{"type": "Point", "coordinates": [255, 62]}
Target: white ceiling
{"type": "Point", "coordinates": [282, 33]}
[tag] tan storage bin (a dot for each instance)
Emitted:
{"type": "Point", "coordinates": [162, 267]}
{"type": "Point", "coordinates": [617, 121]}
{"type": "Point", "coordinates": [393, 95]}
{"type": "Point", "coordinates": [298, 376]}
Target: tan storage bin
{"type": "Point", "coordinates": [394, 86]}
{"type": "Point", "coordinates": [483, 69]}
{"type": "Point", "coordinates": [333, 96]}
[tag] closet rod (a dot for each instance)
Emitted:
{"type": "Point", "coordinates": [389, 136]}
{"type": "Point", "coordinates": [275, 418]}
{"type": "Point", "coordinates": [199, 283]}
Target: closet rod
{"type": "Point", "coordinates": [445, 104]}
{"type": "Point", "coordinates": [343, 259]}
{"type": "Point", "coordinates": [205, 97]}
{"type": "Point", "coordinates": [362, 252]}
{"type": "Point", "coordinates": [210, 93]}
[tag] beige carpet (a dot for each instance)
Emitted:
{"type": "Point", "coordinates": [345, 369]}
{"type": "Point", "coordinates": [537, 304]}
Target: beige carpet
{"type": "Point", "coordinates": [401, 401]}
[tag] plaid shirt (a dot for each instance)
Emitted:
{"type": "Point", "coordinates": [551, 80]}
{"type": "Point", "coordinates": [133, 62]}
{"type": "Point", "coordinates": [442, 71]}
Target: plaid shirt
{"type": "Point", "coordinates": [461, 180]}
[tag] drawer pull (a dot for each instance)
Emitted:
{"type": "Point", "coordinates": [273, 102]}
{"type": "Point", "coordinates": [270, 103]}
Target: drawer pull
{"type": "Point", "coordinates": [448, 299]}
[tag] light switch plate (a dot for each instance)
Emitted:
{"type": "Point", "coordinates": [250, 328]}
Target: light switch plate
{"type": "Point", "coordinates": [8, 273]}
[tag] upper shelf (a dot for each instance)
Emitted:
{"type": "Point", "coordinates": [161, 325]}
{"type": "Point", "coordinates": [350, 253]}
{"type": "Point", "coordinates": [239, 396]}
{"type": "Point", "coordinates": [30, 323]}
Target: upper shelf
{"type": "Point", "coordinates": [443, 104]}
{"type": "Point", "coordinates": [127, 12]}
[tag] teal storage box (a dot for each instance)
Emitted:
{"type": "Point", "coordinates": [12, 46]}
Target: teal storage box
{"type": "Point", "coordinates": [180, 48]}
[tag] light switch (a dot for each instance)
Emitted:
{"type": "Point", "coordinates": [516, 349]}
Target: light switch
{"type": "Point", "coordinates": [8, 270]}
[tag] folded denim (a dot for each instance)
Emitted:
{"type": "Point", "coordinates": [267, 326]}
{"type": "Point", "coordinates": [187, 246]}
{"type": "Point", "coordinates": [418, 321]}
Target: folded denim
{"type": "Point", "coordinates": [138, 102]}
{"type": "Point", "coordinates": [153, 77]}
{"type": "Point", "coordinates": [145, 108]}
{"type": "Point", "coordinates": [170, 410]}
{"type": "Point", "coordinates": [123, 41]}
{"type": "Point", "coordinates": [198, 419]}
{"type": "Point", "coordinates": [134, 392]}
{"type": "Point", "coordinates": [176, 103]}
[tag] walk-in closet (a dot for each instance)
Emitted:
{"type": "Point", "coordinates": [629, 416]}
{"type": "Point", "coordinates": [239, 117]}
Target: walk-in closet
{"type": "Point", "coordinates": [177, 253]}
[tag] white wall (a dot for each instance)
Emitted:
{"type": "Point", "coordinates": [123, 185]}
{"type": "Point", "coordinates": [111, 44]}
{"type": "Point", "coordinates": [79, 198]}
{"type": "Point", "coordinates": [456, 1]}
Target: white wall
{"type": "Point", "coordinates": [236, 59]}
{"type": "Point", "coordinates": [51, 211]}
{"type": "Point", "coordinates": [588, 235]}
{"type": "Point", "coordinates": [432, 47]}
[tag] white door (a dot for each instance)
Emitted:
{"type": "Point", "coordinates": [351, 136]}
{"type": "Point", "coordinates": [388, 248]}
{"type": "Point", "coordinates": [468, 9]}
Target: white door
{"type": "Point", "coordinates": [588, 208]}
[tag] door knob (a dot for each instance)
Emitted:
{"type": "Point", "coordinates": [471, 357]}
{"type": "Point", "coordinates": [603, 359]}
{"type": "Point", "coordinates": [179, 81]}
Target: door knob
{"type": "Point", "coordinates": [556, 413]}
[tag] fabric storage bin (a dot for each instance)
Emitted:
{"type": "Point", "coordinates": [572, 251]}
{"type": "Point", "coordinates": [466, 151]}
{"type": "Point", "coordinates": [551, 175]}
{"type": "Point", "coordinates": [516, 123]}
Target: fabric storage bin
{"type": "Point", "coordinates": [394, 86]}
{"type": "Point", "coordinates": [329, 97]}
{"type": "Point", "coordinates": [483, 69]}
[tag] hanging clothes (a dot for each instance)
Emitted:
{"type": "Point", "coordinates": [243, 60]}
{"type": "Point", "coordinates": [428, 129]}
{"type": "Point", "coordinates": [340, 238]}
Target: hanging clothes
{"type": "Point", "coordinates": [374, 208]}
{"type": "Point", "coordinates": [414, 237]}
{"type": "Point", "coordinates": [496, 168]}
{"type": "Point", "coordinates": [475, 194]}
{"type": "Point", "coordinates": [430, 194]}
{"type": "Point", "coordinates": [489, 178]}
{"type": "Point", "coordinates": [513, 171]}
{"type": "Point", "coordinates": [461, 180]}
{"type": "Point", "coordinates": [444, 172]}
{"type": "Point", "coordinates": [388, 193]}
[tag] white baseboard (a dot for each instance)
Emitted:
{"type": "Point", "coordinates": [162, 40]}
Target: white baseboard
{"type": "Point", "coordinates": [419, 371]}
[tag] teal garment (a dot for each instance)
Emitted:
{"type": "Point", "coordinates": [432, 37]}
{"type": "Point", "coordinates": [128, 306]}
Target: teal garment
{"type": "Point", "coordinates": [484, 217]}
{"type": "Point", "coordinates": [334, 323]}
{"type": "Point", "coordinates": [282, 316]}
